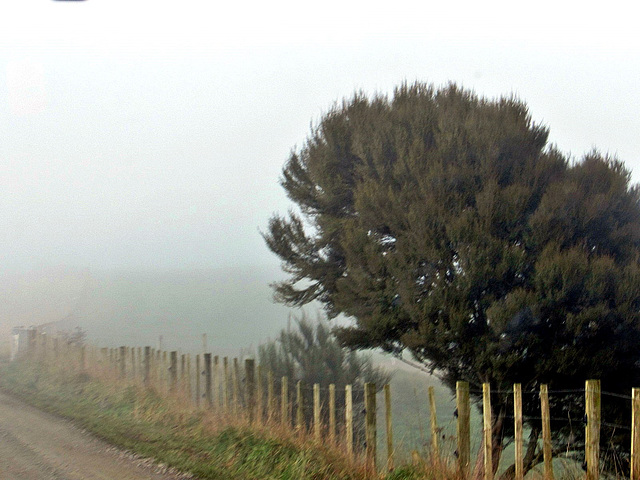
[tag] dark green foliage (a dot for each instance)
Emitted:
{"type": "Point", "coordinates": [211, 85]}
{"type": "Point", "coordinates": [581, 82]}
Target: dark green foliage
{"type": "Point", "coordinates": [311, 353]}
{"type": "Point", "coordinates": [444, 224]}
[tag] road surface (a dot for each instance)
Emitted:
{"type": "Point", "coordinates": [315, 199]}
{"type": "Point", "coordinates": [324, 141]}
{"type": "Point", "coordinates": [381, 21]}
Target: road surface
{"type": "Point", "coordinates": [38, 446]}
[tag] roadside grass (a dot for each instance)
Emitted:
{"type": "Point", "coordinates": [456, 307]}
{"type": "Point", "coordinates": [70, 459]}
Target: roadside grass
{"type": "Point", "coordinates": [201, 442]}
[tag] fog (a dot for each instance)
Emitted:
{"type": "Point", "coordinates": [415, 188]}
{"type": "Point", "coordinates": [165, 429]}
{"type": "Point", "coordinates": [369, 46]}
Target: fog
{"type": "Point", "coordinates": [141, 145]}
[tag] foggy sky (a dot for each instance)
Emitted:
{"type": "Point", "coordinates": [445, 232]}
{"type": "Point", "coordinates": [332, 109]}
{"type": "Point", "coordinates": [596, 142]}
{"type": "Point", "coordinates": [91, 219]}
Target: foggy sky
{"type": "Point", "coordinates": [152, 134]}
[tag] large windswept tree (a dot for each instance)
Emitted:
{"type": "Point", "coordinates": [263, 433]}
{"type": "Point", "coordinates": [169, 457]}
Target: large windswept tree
{"type": "Point", "coordinates": [445, 224]}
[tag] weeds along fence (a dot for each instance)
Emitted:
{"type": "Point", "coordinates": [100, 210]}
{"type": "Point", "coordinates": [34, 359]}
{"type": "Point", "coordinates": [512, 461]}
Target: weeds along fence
{"type": "Point", "coordinates": [348, 418]}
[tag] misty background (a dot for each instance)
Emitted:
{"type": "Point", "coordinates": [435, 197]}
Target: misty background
{"type": "Point", "coordinates": [141, 142]}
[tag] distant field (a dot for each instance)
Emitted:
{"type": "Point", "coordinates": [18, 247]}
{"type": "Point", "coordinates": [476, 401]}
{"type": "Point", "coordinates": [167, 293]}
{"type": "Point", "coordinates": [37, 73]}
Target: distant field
{"type": "Point", "coordinates": [233, 307]}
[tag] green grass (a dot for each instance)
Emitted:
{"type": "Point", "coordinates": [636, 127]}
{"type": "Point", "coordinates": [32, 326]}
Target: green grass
{"type": "Point", "coordinates": [189, 440]}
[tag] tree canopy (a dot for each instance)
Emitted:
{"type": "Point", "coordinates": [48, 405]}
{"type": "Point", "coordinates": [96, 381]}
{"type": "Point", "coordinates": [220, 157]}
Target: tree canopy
{"type": "Point", "coordinates": [445, 224]}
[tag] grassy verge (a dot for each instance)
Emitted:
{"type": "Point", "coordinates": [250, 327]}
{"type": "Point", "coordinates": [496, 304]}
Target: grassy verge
{"type": "Point", "coordinates": [207, 445]}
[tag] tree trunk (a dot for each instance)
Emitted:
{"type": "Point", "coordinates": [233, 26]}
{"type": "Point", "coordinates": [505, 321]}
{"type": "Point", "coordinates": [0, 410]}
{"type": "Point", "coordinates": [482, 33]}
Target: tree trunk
{"type": "Point", "coordinates": [496, 447]}
{"type": "Point", "coordinates": [529, 460]}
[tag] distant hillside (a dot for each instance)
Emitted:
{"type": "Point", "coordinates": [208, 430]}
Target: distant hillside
{"type": "Point", "coordinates": [233, 306]}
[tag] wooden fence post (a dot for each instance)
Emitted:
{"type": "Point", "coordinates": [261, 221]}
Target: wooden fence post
{"type": "Point", "coordinates": [43, 350]}
{"type": "Point", "coordinates": [259, 395]}
{"type": "Point", "coordinates": [546, 432]}
{"type": "Point", "coordinates": [198, 375]}
{"type": "Point", "coordinates": [173, 371]}
{"type": "Point", "coordinates": [635, 434]}
{"type": "Point", "coordinates": [517, 424]}
{"type": "Point", "coordinates": [332, 414]}
{"type": "Point", "coordinates": [216, 382]}
{"type": "Point", "coordinates": [435, 447]}
{"type": "Point", "coordinates": [299, 407]}
{"type": "Point", "coordinates": [271, 400]}
{"type": "Point", "coordinates": [348, 418]}
{"type": "Point", "coordinates": [370, 425]}
{"type": "Point", "coordinates": [463, 428]}
{"type": "Point", "coordinates": [235, 378]}
{"type": "Point", "coordinates": [250, 386]}
{"type": "Point", "coordinates": [183, 373]}
{"type": "Point", "coordinates": [284, 401]}
{"type": "Point", "coordinates": [189, 393]}
{"type": "Point", "coordinates": [487, 426]}
{"type": "Point", "coordinates": [147, 367]}
{"type": "Point", "coordinates": [389, 428]}
{"type": "Point", "coordinates": [122, 359]}
{"type": "Point", "coordinates": [154, 367]}
{"type": "Point", "coordinates": [317, 421]}
{"type": "Point", "coordinates": [225, 384]}
{"type": "Point", "coordinates": [592, 430]}
{"type": "Point", "coordinates": [207, 379]}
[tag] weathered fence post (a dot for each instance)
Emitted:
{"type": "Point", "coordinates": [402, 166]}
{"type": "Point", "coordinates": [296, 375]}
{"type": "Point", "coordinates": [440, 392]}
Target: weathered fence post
{"type": "Point", "coordinates": [299, 407]}
{"type": "Point", "coordinates": [173, 371]}
{"type": "Point", "coordinates": [592, 429]}
{"type": "Point", "coordinates": [284, 401]}
{"type": "Point", "coordinates": [154, 367]}
{"type": "Point", "coordinates": [389, 427]}
{"type": "Point", "coordinates": [235, 381]}
{"type": "Point", "coordinates": [198, 375]}
{"type": "Point", "coordinates": [250, 386]}
{"type": "Point", "coordinates": [317, 421]}
{"type": "Point", "coordinates": [463, 428]}
{"type": "Point", "coordinates": [546, 432]}
{"type": "Point", "coordinates": [225, 384]}
{"type": "Point", "coordinates": [122, 359]}
{"type": "Point", "coordinates": [190, 395]}
{"type": "Point", "coordinates": [348, 418]}
{"type": "Point", "coordinates": [207, 379]}
{"type": "Point", "coordinates": [635, 434]}
{"type": "Point", "coordinates": [216, 382]}
{"type": "Point", "coordinates": [31, 343]}
{"type": "Point", "coordinates": [487, 426]}
{"type": "Point", "coordinates": [157, 369]}
{"type": "Point", "coordinates": [332, 414]}
{"type": "Point", "coordinates": [147, 366]}
{"type": "Point", "coordinates": [517, 424]}
{"type": "Point", "coordinates": [259, 395]}
{"type": "Point", "coordinates": [271, 400]}
{"type": "Point", "coordinates": [433, 415]}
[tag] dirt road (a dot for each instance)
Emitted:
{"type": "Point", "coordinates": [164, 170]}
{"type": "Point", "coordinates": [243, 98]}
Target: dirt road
{"type": "Point", "coordinates": [38, 446]}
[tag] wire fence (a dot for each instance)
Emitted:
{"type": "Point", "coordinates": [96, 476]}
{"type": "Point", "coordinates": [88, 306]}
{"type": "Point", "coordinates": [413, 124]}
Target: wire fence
{"type": "Point", "coordinates": [384, 426]}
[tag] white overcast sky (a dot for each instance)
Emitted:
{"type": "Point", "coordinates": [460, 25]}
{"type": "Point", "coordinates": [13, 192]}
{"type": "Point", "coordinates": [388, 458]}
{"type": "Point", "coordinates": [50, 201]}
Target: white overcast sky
{"type": "Point", "coordinates": [138, 133]}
